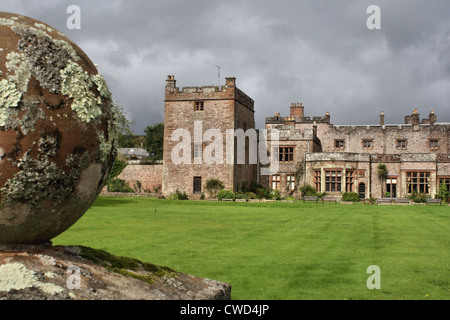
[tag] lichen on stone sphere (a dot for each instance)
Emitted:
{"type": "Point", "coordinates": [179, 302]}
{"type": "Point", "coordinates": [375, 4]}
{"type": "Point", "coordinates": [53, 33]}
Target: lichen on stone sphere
{"type": "Point", "coordinates": [57, 131]}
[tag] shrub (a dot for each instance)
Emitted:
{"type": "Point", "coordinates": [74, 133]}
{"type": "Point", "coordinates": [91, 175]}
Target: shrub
{"type": "Point", "coordinates": [178, 195]}
{"type": "Point", "coordinates": [262, 193]}
{"type": "Point", "coordinates": [418, 197]}
{"type": "Point", "coordinates": [308, 190]}
{"type": "Point", "coordinates": [241, 195]}
{"type": "Point", "coordinates": [119, 185]}
{"type": "Point", "coordinates": [117, 168]}
{"type": "Point", "coordinates": [274, 194]}
{"type": "Point", "coordinates": [226, 194]}
{"type": "Point", "coordinates": [350, 196]}
{"type": "Point", "coordinates": [251, 195]}
{"type": "Point", "coordinates": [138, 186]}
{"type": "Point", "coordinates": [255, 186]}
{"type": "Point", "coordinates": [213, 186]}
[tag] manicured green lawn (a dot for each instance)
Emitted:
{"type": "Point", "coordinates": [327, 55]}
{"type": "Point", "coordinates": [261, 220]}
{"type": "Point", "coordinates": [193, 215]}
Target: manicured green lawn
{"type": "Point", "coordinates": [280, 251]}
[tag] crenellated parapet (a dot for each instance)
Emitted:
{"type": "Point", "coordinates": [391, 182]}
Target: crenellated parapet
{"type": "Point", "coordinates": [227, 91]}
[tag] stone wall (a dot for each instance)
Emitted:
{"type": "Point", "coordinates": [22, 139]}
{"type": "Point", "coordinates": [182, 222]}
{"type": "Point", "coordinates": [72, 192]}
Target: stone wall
{"type": "Point", "coordinates": [149, 176]}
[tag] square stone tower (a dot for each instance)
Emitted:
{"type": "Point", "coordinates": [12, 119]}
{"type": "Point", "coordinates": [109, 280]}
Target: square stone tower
{"type": "Point", "coordinates": [199, 140]}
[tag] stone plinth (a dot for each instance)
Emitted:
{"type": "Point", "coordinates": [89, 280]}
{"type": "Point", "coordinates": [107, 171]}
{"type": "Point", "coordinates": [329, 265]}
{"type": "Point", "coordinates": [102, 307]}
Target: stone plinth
{"type": "Point", "coordinates": [50, 273]}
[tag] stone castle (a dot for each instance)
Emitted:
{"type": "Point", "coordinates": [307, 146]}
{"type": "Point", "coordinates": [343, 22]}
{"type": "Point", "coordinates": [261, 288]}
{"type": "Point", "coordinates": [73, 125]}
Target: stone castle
{"type": "Point", "coordinates": [310, 150]}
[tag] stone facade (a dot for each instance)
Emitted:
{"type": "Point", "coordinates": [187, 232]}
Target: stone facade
{"type": "Point", "coordinates": [205, 115]}
{"type": "Point", "coordinates": [310, 150]}
{"type": "Point", "coordinates": [346, 158]}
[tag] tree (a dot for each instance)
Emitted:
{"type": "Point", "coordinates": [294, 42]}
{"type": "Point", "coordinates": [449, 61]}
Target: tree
{"type": "Point", "coordinates": [154, 141]}
{"type": "Point", "coordinates": [443, 193]}
{"type": "Point", "coordinates": [382, 172]}
{"type": "Point", "coordinates": [123, 125]}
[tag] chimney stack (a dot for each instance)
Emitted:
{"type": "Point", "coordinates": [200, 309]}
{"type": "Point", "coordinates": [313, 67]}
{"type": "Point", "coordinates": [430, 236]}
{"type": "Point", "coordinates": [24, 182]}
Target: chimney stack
{"type": "Point", "coordinates": [297, 111]}
{"type": "Point", "coordinates": [415, 117]}
{"type": "Point", "coordinates": [171, 83]}
{"type": "Point", "coordinates": [382, 118]}
{"type": "Point", "coordinates": [230, 82]}
{"type": "Point", "coordinates": [432, 117]}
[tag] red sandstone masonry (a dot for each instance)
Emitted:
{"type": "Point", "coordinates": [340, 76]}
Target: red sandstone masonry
{"type": "Point", "coordinates": [224, 108]}
{"type": "Point", "coordinates": [149, 176]}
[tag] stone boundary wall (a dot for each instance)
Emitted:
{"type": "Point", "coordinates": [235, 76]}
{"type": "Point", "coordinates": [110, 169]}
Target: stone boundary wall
{"type": "Point", "coordinates": [149, 176]}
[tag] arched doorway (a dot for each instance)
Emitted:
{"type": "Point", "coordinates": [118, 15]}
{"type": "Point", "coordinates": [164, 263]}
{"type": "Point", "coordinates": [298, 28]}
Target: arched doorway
{"type": "Point", "coordinates": [362, 190]}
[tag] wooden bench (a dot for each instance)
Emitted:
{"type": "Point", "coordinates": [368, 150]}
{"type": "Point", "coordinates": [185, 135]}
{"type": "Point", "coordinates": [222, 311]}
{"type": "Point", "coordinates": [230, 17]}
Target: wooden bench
{"type": "Point", "coordinates": [433, 201]}
{"type": "Point", "coordinates": [401, 201]}
{"type": "Point", "coordinates": [310, 198]}
{"type": "Point", "coordinates": [329, 199]}
{"type": "Point", "coordinates": [384, 201]}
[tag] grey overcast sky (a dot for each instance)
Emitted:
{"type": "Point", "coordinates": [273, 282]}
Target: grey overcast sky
{"type": "Point", "coordinates": [319, 52]}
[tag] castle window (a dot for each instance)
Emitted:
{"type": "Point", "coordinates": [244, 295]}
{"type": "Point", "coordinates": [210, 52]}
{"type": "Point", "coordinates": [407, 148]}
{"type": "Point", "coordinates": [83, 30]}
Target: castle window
{"type": "Point", "coordinates": [275, 181]}
{"type": "Point", "coordinates": [199, 106]}
{"type": "Point", "coordinates": [402, 144]}
{"type": "Point", "coordinates": [317, 180]}
{"type": "Point", "coordinates": [290, 182]}
{"type": "Point", "coordinates": [367, 144]}
{"type": "Point", "coordinates": [391, 186]}
{"type": "Point", "coordinates": [198, 150]}
{"type": "Point", "coordinates": [333, 181]}
{"type": "Point", "coordinates": [349, 180]}
{"type": "Point", "coordinates": [339, 144]}
{"type": "Point", "coordinates": [286, 154]}
{"type": "Point", "coordinates": [434, 144]}
{"type": "Point", "coordinates": [418, 181]}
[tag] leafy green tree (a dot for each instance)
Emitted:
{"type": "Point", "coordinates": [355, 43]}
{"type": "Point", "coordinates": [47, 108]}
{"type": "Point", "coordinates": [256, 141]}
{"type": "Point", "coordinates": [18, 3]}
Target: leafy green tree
{"type": "Point", "coordinates": [154, 141]}
{"type": "Point", "coordinates": [443, 193]}
{"type": "Point", "coordinates": [123, 125]}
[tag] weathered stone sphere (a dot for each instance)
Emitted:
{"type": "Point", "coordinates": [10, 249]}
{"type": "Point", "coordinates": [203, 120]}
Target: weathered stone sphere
{"type": "Point", "coordinates": [56, 131]}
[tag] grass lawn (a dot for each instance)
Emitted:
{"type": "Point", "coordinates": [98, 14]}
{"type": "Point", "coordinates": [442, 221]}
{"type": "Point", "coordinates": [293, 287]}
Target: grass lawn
{"type": "Point", "coordinates": [280, 251]}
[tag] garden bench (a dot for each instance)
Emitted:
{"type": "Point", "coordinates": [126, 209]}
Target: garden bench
{"type": "Point", "coordinates": [329, 199]}
{"type": "Point", "coordinates": [310, 198]}
{"type": "Point", "coordinates": [227, 200]}
{"type": "Point", "coordinates": [434, 201]}
{"type": "Point", "coordinates": [384, 201]}
{"type": "Point", "coordinates": [287, 201]}
{"type": "Point", "coordinates": [401, 201]}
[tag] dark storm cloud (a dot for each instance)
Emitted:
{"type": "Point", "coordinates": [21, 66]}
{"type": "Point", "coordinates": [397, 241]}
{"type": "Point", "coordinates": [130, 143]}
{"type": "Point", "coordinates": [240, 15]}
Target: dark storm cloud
{"type": "Point", "coordinates": [317, 52]}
